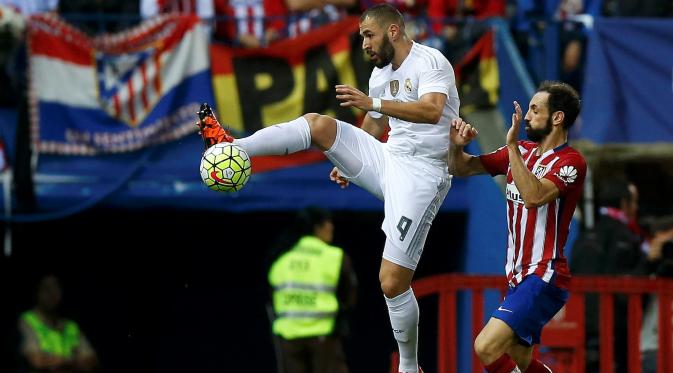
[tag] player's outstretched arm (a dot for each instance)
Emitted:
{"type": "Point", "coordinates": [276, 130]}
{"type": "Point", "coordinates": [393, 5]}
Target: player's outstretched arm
{"type": "Point", "coordinates": [461, 163]}
{"type": "Point", "coordinates": [428, 108]}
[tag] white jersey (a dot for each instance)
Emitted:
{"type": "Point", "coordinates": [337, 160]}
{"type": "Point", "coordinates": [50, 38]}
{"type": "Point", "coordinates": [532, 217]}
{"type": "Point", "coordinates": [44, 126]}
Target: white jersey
{"type": "Point", "coordinates": [424, 70]}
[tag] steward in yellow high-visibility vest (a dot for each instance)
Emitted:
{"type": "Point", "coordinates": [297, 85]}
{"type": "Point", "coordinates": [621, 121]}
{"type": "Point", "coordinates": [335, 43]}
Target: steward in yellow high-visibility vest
{"type": "Point", "coordinates": [56, 342]}
{"type": "Point", "coordinates": [304, 282]}
{"type": "Point", "coordinates": [311, 283]}
{"type": "Point", "coordinates": [50, 342]}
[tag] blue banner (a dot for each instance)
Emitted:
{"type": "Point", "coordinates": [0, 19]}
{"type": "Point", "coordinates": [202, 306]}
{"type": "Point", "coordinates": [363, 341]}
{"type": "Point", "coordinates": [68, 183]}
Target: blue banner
{"type": "Point", "coordinates": [628, 89]}
{"type": "Point", "coordinates": [167, 176]}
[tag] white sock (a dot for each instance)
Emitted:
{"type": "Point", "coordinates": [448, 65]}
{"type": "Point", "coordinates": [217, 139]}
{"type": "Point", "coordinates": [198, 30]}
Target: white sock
{"type": "Point", "coordinates": [279, 139]}
{"type": "Point", "coordinates": [403, 312]}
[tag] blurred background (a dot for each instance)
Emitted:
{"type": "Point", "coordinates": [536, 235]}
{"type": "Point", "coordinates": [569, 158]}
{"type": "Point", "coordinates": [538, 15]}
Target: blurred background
{"type": "Point", "coordinates": [99, 165]}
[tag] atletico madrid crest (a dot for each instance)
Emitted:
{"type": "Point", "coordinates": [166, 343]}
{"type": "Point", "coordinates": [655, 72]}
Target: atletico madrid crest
{"type": "Point", "coordinates": [129, 84]}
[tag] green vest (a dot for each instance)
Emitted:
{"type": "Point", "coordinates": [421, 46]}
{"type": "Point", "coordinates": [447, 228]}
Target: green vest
{"type": "Point", "coordinates": [304, 282]}
{"type": "Point", "coordinates": [59, 343]}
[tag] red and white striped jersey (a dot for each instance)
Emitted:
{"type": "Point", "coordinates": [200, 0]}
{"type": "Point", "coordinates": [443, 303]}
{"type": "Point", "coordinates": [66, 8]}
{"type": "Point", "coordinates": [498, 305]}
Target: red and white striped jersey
{"type": "Point", "coordinates": [250, 17]}
{"type": "Point", "coordinates": [202, 8]}
{"type": "Point", "coordinates": [254, 17]}
{"type": "Point", "coordinates": [537, 236]}
{"type": "Point", "coordinates": [302, 22]}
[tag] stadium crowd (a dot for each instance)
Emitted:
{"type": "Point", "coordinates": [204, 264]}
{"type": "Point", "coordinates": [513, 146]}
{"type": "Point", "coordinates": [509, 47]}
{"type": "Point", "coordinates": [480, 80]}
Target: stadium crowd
{"type": "Point", "coordinates": [451, 26]}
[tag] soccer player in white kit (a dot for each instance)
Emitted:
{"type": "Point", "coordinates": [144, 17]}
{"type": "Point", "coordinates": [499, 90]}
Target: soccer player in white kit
{"type": "Point", "coordinates": [413, 90]}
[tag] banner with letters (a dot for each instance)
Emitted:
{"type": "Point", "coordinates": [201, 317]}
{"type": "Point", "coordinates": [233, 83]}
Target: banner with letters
{"type": "Point", "coordinates": [628, 87]}
{"type": "Point", "coordinates": [116, 93]}
{"type": "Point", "coordinates": [255, 88]}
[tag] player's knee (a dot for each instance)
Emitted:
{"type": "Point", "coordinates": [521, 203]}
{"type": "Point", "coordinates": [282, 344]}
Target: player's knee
{"type": "Point", "coordinates": [311, 117]}
{"type": "Point", "coordinates": [392, 286]}
{"type": "Point", "coordinates": [323, 130]}
{"type": "Point", "coordinates": [485, 349]}
{"type": "Point", "coordinates": [481, 349]}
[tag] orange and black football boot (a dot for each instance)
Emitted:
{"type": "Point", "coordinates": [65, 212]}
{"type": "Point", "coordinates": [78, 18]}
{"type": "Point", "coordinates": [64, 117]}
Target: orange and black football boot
{"type": "Point", "coordinates": [210, 128]}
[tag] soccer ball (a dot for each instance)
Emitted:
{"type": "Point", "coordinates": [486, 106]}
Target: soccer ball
{"type": "Point", "coordinates": [225, 167]}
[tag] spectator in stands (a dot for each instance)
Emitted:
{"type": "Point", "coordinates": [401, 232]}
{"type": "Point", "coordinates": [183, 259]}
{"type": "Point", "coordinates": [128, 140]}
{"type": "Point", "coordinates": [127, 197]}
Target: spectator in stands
{"type": "Point", "coordinates": [453, 22]}
{"type": "Point", "coordinates": [28, 7]}
{"type": "Point", "coordinates": [204, 9]}
{"type": "Point", "coordinates": [50, 342]}
{"type": "Point", "coordinates": [13, 89]}
{"type": "Point", "coordinates": [250, 23]}
{"type": "Point", "coordinates": [447, 24]}
{"type": "Point", "coordinates": [100, 16]}
{"type": "Point", "coordinates": [532, 18]}
{"type": "Point", "coordinates": [257, 23]}
{"type": "Point", "coordinates": [313, 285]}
{"type": "Point", "coordinates": [660, 245]}
{"type": "Point", "coordinates": [413, 11]}
{"type": "Point", "coordinates": [305, 15]}
{"type": "Point", "coordinates": [573, 16]}
{"type": "Point", "coordinates": [12, 26]}
{"type": "Point", "coordinates": [13, 60]}
{"type": "Point", "coordinates": [613, 247]}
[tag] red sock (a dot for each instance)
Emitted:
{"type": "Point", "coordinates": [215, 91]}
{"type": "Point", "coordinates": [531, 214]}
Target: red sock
{"type": "Point", "coordinates": [504, 364]}
{"type": "Point", "coordinates": [536, 366]}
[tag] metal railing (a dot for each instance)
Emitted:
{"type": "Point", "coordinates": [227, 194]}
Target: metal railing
{"type": "Point", "coordinates": [567, 329]}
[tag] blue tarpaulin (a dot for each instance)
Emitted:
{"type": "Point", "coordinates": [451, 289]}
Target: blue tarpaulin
{"type": "Point", "coordinates": [628, 89]}
{"type": "Point", "coordinates": [167, 176]}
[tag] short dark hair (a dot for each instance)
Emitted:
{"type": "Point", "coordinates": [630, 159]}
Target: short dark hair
{"type": "Point", "coordinates": [562, 97]}
{"type": "Point", "coordinates": [384, 14]}
{"type": "Point", "coordinates": [613, 190]}
{"type": "Point", "coordinates": [304, 224]}
{"type": "Point", "coordinates": [310, 217]}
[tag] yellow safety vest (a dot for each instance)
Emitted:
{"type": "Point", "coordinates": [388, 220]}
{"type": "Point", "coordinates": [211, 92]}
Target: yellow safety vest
{"type": "Point", "coordinates": [304, 282]}
{"type": "Point", "coordinates": [59, 343]}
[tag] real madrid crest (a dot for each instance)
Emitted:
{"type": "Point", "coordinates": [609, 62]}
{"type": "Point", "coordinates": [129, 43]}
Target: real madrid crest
{"type": "Point", "coordinates": [394, 87]}
{"type": "Point", "coordinates": [407, 85]}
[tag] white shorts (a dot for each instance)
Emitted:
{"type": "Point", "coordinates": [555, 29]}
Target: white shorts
{"type": "Point", "coordinates": [412, 189]}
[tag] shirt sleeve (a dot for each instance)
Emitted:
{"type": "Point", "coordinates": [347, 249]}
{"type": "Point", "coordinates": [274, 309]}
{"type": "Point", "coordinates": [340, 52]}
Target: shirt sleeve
{"type": "Point", "coordinates": [568, 174]}
{"type": "Point", "coordinates": [436, 79]}
{"type": "Point", "coordinates": [496, 162]}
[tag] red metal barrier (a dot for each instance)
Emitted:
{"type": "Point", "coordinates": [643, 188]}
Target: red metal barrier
{"type": "Point", "coordinates": [565, 333]}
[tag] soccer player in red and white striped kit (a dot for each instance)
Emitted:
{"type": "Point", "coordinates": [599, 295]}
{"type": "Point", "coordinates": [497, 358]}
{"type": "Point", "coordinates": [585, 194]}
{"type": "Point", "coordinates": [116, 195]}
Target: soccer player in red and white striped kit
{"type": "Point", "coordinates": [544, 183]}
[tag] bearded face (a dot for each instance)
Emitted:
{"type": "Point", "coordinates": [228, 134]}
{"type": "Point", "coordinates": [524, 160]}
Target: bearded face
{"type": "Point", "coordinates": [538, 134]}
{"type": "Point", "coordinates": [384, 55]}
